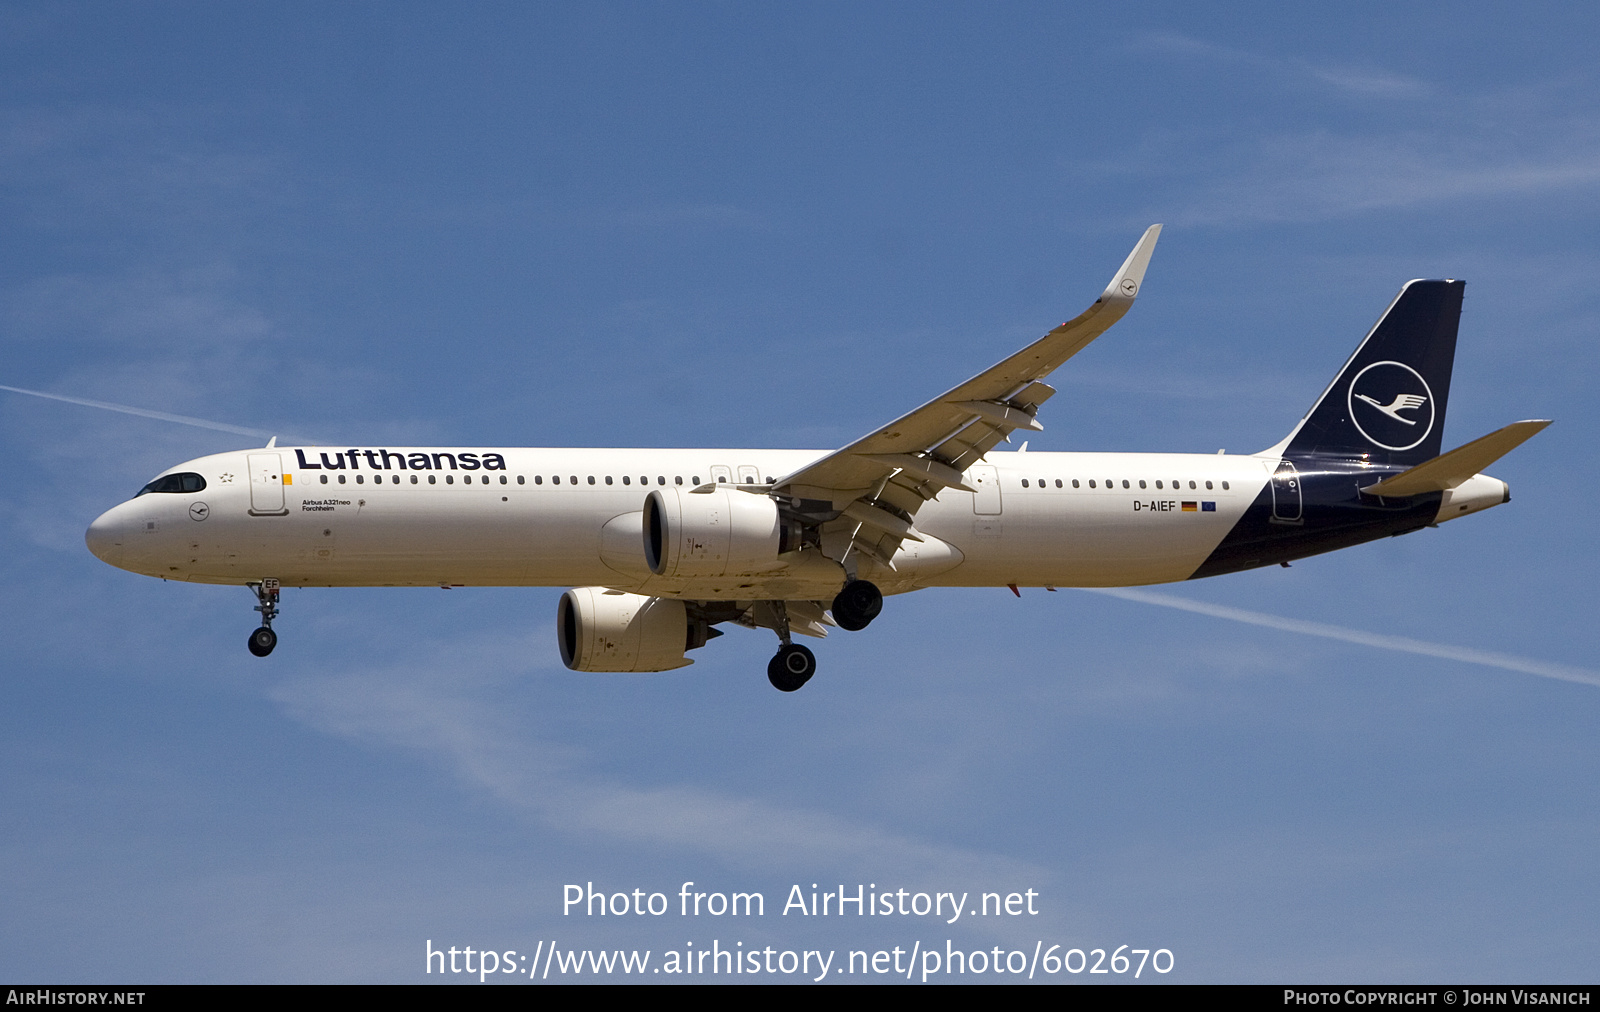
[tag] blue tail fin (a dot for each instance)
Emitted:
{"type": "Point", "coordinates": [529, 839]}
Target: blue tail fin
{"type": "Point", "coordinates": [1387, 404]}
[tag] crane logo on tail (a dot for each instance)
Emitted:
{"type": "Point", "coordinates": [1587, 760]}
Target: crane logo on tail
{"type": "Point", "coordinates": [1391, 405]}
{"type": "Point", "coordinates": [1404, 402]}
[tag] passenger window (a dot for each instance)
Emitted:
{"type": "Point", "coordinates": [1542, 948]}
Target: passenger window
{"type": "Point", "coordinates": [1141, 483]}
{"type": "Point", "coordinates": [1208, 486]}
{"type": "Point", "coordinates": [360, 480]}
{"type": "Point", "coordinates": [341, 479]}
{"type": "Point", "coordinates": [504, 480]}
{"type": "Point", "coordinates": [1058, 483]}
{"type": "Point", "coordinates": [608, 479]}
{"type": "Point", "coordinates": [1091, 483]}
{"type": "Point", "coordinates": [414, 479]}
{"type": "Point", "coordinates": [1158, 483]}
{"type": "Point", "coordinates": [660, 480]}
{"type": "Point", "coordinates": [324, 478]}
{"type": "Point", "coordinates": [591, 479]}
{"type": "Point", "coordinates": [1125, 483]}
{"type": "Point", "coordinates": [677, 479]}
{"type": "Point", "coordinates": [555, 479]}
{"type": "Point", "coordinates": [697, 479]}
{"type": "Point", "coordinates": [538, 479]}
{"type": "Point", "coordinates": [433, 479]}
{"type": "Point", "coordinates": [1024, 483]}
{"type": "Point", "coordinates": [626, 480]}
{"type": "Point", "coordinates": [1224, 486]}
{"type": "Point", "coordinates": [520, 480]}
{"type": "Point", "coordinates": [1074, 483]}
{"type": "Point", "coordinates": [1191, 484]}
{"type": "Point", "coordinates": [449, 479]}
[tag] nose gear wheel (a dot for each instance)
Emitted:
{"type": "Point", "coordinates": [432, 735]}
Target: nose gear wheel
{"type": "Point", "coordinates": [264, 639]}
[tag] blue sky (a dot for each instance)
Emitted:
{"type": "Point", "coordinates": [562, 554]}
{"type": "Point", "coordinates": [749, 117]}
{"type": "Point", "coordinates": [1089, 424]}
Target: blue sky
{"type": "Point", "coordinates": [670, 225]}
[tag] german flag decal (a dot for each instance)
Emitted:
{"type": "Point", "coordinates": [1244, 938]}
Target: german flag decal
{"type": "Point", "coordinates": [1189, 505]}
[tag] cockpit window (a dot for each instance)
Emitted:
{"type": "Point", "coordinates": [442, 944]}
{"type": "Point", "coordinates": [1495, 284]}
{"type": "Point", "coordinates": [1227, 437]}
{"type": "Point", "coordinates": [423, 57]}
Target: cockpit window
{"type": "Point", "coordinates": [188, 481]}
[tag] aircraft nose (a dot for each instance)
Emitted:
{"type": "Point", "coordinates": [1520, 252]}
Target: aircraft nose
{"type": "Point", "coordinates": [105, 538]}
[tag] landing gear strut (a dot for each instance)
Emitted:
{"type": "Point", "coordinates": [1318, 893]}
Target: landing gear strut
{"type": "Point", "coordinates": [857, 605]}
{"type": "Point", "coordinates": [793, 665]}
{"type": "Point", "coordinates": [264, 639]}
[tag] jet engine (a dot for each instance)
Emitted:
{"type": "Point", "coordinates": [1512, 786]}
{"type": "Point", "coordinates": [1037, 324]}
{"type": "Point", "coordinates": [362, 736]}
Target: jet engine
{"type": "Point", "coordinates": [609, 630]}
{"type": "Point", "coordinates": [715, 533]}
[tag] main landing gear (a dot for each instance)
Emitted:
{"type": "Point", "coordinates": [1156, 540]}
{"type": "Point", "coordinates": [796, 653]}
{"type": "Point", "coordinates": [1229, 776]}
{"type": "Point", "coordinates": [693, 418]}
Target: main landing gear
{"type": "Point", "coordinates": [791, 668]}
{"type": "Point", "coordinates": [853, 609]}
{"type": "Point", "coordinates": [793, 665]}
{"type": "Point", "coordinates": [857, 605]}
{"type": "Point", "coordinates": [264, 639]}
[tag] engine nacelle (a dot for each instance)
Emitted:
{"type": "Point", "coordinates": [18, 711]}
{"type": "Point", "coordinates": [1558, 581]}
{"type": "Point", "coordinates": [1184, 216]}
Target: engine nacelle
{"type": "Point", "coordinates": [697, 534]}
{"type": "Point", "coordinates": [608, 630]}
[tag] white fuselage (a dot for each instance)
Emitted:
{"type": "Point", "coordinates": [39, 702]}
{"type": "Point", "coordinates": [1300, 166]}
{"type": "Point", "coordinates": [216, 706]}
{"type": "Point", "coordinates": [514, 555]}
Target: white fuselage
{"type": "Point", "coordinates": [566, 517]}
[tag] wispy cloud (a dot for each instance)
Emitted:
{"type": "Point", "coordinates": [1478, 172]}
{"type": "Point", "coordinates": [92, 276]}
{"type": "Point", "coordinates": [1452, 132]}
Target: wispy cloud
{"type": "Point", "coordinates": [1323, 175]}
{"type": "Point", "coordinates": [155, 170]}
{"type": "Point", "coordinates": [1464, 147]}
{"type": "Point", "coordinates": [193, 309]}
{"type": "Point", "coordinates": [1354, 79]}
{"type": "Point", "coordinates": [1382, 641]}
{"type": "Point", "coordinates": [414, 704]}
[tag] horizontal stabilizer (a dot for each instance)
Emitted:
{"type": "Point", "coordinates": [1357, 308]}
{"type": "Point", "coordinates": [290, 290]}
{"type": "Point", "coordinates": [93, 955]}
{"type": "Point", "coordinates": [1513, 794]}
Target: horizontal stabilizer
{"type": "Point", "coordinates": [1448, 470]}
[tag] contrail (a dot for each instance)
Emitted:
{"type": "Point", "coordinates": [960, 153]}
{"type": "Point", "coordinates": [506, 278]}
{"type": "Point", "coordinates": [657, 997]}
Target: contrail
{"type": "Point", "coordinates": [1404, 644]}
{"type": "Point", "coordinates": [199, 423]}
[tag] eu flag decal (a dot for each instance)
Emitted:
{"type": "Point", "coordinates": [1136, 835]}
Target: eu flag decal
{"type": "Point", "coordinates": [1207, 506]}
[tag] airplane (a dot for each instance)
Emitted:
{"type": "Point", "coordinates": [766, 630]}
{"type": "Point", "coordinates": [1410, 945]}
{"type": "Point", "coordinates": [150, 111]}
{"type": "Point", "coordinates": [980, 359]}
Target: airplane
{"type": "Point", "coordinates": [662, 546]}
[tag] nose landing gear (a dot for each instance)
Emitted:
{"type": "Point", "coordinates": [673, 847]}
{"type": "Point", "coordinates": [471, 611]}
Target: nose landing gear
{"type": "Point", "coordinates": [264, 639]}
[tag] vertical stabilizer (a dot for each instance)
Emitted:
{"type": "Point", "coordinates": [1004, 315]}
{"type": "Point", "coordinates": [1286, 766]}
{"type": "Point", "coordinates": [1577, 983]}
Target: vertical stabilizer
{"type": "Point", "coordinates": [1387, 404]}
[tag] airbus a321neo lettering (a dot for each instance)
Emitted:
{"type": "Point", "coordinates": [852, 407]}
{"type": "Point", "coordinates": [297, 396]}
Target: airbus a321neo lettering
{"type": "Point", "coordinates": [663, 546]}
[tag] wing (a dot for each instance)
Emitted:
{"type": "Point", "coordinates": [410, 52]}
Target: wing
{"type": "Point", "coordinates": [870, 490]}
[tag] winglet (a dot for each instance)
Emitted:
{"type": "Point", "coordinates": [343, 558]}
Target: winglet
{"type": "Point", "coordinates": [1124, 286]}
{"type": "Point", "coordinates": [272, 444]}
